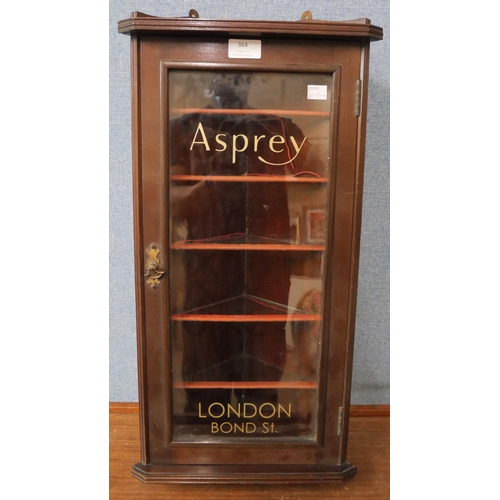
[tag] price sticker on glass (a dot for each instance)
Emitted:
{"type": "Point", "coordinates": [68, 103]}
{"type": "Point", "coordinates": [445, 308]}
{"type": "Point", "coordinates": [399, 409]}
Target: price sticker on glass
{"type": "Point", "coordinates": [317, 92]}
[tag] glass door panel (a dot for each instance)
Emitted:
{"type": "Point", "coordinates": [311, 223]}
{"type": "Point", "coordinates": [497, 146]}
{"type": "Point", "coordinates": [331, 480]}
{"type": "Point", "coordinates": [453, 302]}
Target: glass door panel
{"type": "Point", "coordinates": [249, 184]}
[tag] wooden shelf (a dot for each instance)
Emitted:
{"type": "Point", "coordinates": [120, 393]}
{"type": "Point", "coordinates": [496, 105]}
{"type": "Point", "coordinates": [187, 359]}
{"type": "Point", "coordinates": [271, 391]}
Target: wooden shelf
{"type": "Point", "coordinates": [246, 385]}
{"type": "Point", "coordinates": [245, 308]}
{"type": "Point", "coordinates": [230, 111]}
{"type": "Point", "coordinates": [244, 242]}
{"type": "Point", "coordinates": [276, 377]}
{"type": "Point", "coordinates": [251, 178]}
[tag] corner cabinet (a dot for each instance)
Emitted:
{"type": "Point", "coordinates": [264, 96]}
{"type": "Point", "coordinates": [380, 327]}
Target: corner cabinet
{"type": "Point", "coordinates": [248, 140]}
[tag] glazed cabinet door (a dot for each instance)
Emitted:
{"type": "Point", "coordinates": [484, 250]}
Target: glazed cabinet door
{"type": "Point", "coordinates": [245, 184]}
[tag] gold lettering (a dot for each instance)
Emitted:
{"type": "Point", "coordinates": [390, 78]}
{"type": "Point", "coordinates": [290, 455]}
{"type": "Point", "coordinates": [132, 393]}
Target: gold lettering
{"type": "Point", "coordinates": [228, 424]}
{"type": "Point", "coordinates": [294, 142]}
{"type": "Point", "coordinates": [267, 428]}
{"type": "Point", "coordinates": [245, 410]}
{"type": "Point", "coordinates": [204, 138]}
{"type": "Point", "coordinates": [256, 141]}
{"type": "Point", "coordinates": [295, 145]}
{"type": "Point", "coordinates": [200, 137]}
{"type": "Point", "coordinates": [235, 149]}
{"type": "Point", "coordinates": [199, 412]}
{"type": "Point", "coordinates": [249, 429]}
{"type": "Point", "coordinates": [287, 413]}
{"type": "Point", "coordinates": [267, 404]}
{"type": "Point", "coordinates": [278, 139]}
{"type": "Point", "coordinates": [216, 416]}
{"type": "Point", "coordinates": [215, 427]}
{"type": "Point", "coordinates": [237, 427]}
{"type": "Point", "coordinates": [221, 142]}
{"type": "Point", "coordinates": [236, 412]}
{"type": "Point", "coordinates": [245, 415]}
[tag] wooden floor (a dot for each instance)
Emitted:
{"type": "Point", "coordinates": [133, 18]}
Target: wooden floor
{"type": "Point", "coordinates": [368, 450]}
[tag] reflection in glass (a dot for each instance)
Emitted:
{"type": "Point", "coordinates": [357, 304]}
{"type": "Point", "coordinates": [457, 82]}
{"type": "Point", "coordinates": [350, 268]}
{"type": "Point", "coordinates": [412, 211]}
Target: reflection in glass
{"type": "Point", "coordinates": [248, 177]}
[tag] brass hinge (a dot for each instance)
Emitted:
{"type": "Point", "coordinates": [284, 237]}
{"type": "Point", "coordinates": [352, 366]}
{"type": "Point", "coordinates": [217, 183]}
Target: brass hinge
{"type": "Point", "coordinates": [340, 422]}
{"type": "Point", "coordinates": [357, 98]}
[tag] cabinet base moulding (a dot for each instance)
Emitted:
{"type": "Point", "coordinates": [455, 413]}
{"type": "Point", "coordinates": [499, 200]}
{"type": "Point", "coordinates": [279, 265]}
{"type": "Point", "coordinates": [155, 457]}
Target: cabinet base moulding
{"type": "Point", "coordinates": [237, 474]}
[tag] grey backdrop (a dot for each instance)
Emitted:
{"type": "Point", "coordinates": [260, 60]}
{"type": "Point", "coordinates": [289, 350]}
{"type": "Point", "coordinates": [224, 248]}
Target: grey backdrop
{"type": "Point", "coordinates": [371, 358]}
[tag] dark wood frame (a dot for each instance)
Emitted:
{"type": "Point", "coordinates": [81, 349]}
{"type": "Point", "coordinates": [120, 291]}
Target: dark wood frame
{"type": "Point", "coordinates": [342, 49]}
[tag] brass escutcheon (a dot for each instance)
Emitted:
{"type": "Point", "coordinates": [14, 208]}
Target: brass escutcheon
{"type": "Point", "coordinates": [153, 270]}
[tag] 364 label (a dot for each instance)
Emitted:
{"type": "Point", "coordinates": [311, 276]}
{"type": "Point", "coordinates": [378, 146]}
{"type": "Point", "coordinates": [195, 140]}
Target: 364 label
{"type": "Point", "coordinates": [244, 49]}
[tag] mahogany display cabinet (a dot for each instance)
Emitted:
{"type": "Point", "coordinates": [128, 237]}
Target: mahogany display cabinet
{"type": "Point", "coordinates": [248, 151]}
